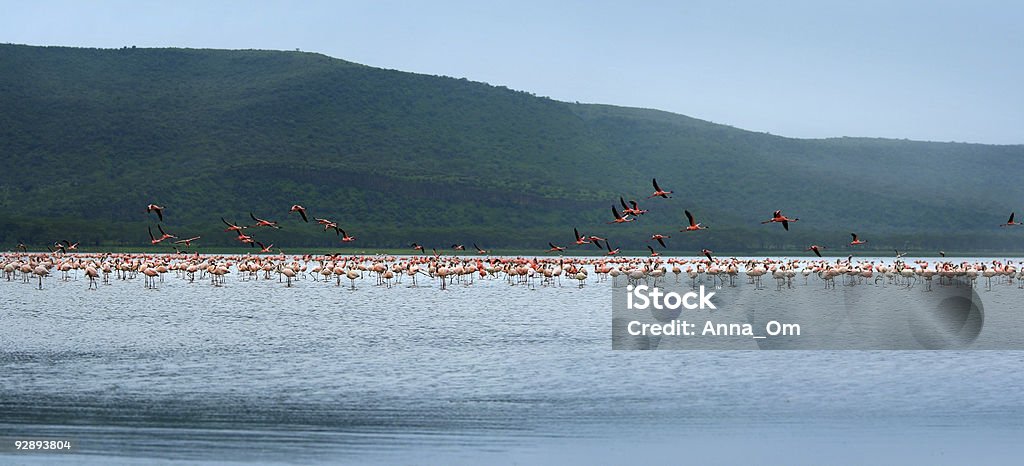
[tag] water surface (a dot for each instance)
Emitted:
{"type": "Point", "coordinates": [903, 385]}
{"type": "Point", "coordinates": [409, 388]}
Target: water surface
{"type": "Point", "coordinates": [490, 373]}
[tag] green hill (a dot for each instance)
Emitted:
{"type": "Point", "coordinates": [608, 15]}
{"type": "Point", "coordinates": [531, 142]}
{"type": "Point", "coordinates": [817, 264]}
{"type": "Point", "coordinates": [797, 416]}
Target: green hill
{"type": "Point", "coordinates": [89, 137]}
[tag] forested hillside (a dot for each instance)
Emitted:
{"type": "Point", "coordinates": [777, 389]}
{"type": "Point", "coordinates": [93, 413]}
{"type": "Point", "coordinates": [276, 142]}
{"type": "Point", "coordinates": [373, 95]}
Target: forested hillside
{"type": "Point", "coordinates": [89, 137]}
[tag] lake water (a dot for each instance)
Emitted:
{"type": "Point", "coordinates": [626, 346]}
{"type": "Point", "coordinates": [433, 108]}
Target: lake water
{"type": "Point", "coordinates": [488, 373]}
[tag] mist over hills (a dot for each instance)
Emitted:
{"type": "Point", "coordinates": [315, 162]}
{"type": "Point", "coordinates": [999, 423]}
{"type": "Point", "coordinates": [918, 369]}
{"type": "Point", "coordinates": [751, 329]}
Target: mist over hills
{"type": "Point", "coordinates": [89, 137]}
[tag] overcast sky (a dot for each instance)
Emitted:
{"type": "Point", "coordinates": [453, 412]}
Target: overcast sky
{"type": "Point", "coordinates": [938, 70]}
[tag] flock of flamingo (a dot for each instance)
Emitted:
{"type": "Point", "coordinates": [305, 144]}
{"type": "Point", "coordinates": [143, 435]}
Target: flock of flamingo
{"type": "Point", "coordinates": [447, 270]}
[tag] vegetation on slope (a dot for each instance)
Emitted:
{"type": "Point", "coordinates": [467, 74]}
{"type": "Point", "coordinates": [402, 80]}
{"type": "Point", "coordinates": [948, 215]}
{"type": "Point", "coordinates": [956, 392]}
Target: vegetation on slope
{"type": "Point", "coordinates": [88, 137]}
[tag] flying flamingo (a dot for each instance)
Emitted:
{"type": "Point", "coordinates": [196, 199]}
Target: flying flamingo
{"type": "Point", "coordinates": [70, 246]}
{"type": "Point", "coordinates": [856, 241]}
{"type": "Point", "coordinates": [660, 239]}
{"type": "Point", "coordinates": [778, 217]}
{"type": "Point", "coordinates": [152, 239]}
{"type": "Point", "coordinates": [694, 226]}
{"type": "Point", "coordinates": [187, 241]}
{"type": "Point", "coordinates": [817, 249]}
{"type": "Point", "coordinates": [653, 252]}
{"type": "Point", "coordinates": [1010, 222]}
{"type": "Point", "coordinates": [301, 210]}
{"type": "Point", "coordinates": [245, 239]}
{"type": "Point", "coordinates": [625, 207]}
{"type": "Point", "coordinates": [155, 208]}
{"type": "Point", "coordinates": [636, 208]}
{"type": "Point", "coordinates": [555, 248]}
{"type": "Point", "coordinates": [328, 224]}
{"type": "Point", "coordinates": [707, 253]}
{"type": "Point", "coordinates": [458, 247]}
{"type": "Point", "coordinates": [620, 218]}
{"type": "Point", "coordinates": [164, 233]}
{"type": "Point", "coordinates": [658, 191]}
{"type": "Point", "coordinates": [611, 252]}
{"type": "Point", "coordinates": [265, 249]}
{"type": "Point", "coordinates": [417, 247]}
{"type": "Point", "coordinates": [480, 251]}
{"type": "Point", "coordinates": [232, 226]}
{"type": "Point", "coordinates": [345, 238]}
{"type": "Point", "coordinates": [580, 240]}
{"type": "Point", "coordinates": [263, 223]}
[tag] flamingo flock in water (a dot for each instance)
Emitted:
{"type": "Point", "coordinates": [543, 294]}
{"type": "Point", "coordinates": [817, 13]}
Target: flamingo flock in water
{"type": "Point", "coordinates": [446, 270]}
{"type": "Point", "coordinates": [389, 271]}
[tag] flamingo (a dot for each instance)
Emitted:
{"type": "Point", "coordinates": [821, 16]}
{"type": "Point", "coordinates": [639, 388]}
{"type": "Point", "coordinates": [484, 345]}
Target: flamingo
{"type": "Point", "coordinates": [187, 241]}
{"type": "Point", "coordinates": [817, 249]}
{"type": "Point", "coordinates": [155, 208]}
{"type": "Point", "coordinates": [1010, 222]}
{"type": "Point", "coordinates": [856, 241]}
{"type": "Point", "coordinates": [555, 248]}
{"type": "Point", "coordinates": [417, 247]}
{"type": "Point", "coordinates": [611, 252]}
{"type": "Point", "coordinates": [152, 239]}
{"type": "Point", "coordinates": [580, 240]}
{"type": "Point", "coordinates": [232, 226]}
{"type": "Point", "coordinates": [653, 252]}
{"type": "Point", "coordinates": [301, 210]}
{"type": "Point", "coordinates": [345, 238]}
{"type": "Point", "coordinates": [694, 226]}
{"type": "Point", "coordinates": [265, 249]}
{"type": "Point", "coordinates": [263, 223]}
{"type": "Point", "coordinates": [659, 239]}
{"type": "Point", "coordinates": [246, 239]}
{"type": "Point", "coordinates": [458, 247]}
{"type": "Point", "coordinates": [328, 224]}
{"type": "Point", "coordinates": [620, 218]}
{"type": "Point", "coordinates": [480, 251]}
{"type": "Point", "coordinates": [635, 210]}
{"type": "Point", "coordinates": [658, 191]}
{"type": "Point", "coordinates": [778, 217]}
{"type": "Point", "coordinates": [707, 253]}
{"type": "Point", "coordinates": [164, 233]}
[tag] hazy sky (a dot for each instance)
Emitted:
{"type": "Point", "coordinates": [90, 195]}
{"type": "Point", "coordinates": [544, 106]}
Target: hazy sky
{"type": "Point", "coordinates": [935, 70]}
